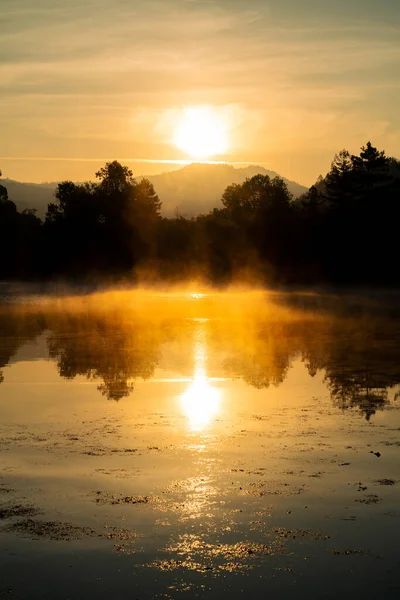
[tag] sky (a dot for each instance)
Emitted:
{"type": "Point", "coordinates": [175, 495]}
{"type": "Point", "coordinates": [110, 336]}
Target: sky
{"type": "Point", "coordinates": [294, 81]}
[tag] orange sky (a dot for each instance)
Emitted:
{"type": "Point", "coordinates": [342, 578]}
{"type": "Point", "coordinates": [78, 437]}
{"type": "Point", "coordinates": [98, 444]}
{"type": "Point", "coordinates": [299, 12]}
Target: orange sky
{"type": "Point", "coordinates": [295, 81]}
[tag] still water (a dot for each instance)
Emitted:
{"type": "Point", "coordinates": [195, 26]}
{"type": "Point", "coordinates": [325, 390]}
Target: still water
{"type": "Point", "coordinates": [199, 446]}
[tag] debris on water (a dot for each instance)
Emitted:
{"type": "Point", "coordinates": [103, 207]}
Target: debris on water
{"type": "Point", "coordinates": [349, 552]}
{"type": "Point", "coordinates": [199, 555]}
{"type": "Point", "coordinates": [273, 488]}
{"type": "Point", "coordinates": [52, 530]}
{"type": "Point", "coordinates": [125, 539]}
{"type": "Point", "coordinates": [131, 500]}
{"type": "Point", "coordinates": [369, 499]}
{"type": "Point", "coordinates": [378, 454]}
{"type": "Point", "coordinates": [7, 512]}
{"type": "Point", "coordinates": [105, 498]}
{"type": "Point", "coordinates": [293, 534]}
{"type": "Point", "coordinates": [116, 533]}
{"type": "Point", "coordinates": [385, 481]}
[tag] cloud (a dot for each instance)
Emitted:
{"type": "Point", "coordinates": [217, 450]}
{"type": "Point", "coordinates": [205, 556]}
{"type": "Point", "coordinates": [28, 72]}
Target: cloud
{"type": "Point", "coordinates": [73, 75]}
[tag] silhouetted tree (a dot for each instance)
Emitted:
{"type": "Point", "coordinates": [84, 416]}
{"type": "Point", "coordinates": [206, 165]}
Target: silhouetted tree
{"type": "Point", "coordinates": [261, 209]}
{"type": "Point", "coordinates": [339, 182]}
{"type": "Point", "coordinates": [371, 168]}
{"type": "Point", "coordinates": [3, 192]}
{"type": "Point", "coordinates": [8, 234]}
{"type": "Point", "coordinates": [105, 226]}
{"type": "Point", "coordinates": [342, 231]}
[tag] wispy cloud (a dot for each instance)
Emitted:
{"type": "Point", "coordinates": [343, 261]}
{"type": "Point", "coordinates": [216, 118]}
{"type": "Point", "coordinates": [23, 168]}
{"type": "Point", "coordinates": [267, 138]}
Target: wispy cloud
{"type": "Point", "coordinates": [103, 75]}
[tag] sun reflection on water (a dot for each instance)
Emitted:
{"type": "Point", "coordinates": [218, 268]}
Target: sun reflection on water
{"type": "Point", "coordinates": [201, 402]}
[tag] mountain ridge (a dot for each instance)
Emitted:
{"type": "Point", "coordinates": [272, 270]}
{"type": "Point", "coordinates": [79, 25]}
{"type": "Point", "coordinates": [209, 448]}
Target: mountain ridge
{"type": "Point", "coordinates": [196, 188]}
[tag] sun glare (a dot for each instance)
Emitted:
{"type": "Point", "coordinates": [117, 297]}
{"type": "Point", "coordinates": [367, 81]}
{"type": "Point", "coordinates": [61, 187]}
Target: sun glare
{"type": "Point", "coordinates": [201, 133]}
{"type": "Point", "coordinates": [201, 401]}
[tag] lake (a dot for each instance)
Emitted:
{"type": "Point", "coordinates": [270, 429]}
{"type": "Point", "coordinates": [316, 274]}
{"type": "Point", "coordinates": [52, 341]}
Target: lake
{"type": "Point", "coordinates": [199, 445]}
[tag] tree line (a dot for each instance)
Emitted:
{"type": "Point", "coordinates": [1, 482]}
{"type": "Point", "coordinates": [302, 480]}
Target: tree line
{"type": "Point", "coordinates": [342, 231]}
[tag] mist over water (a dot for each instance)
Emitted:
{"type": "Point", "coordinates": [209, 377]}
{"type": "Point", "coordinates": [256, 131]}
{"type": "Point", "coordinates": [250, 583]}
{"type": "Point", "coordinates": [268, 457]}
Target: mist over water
{"type": "Point", "coordinates": [175, 442]}
{"type": "Point", "coordinates": [199, 342]}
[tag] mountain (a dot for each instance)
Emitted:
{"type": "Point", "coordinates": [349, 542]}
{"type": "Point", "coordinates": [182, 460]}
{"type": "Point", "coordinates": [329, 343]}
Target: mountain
{"type": "Point", "coordinates": [198, 188]}
{"type": "Point", "coordinates": [194, 189]}
{"type": "Point", "coordinates": [30, 195]}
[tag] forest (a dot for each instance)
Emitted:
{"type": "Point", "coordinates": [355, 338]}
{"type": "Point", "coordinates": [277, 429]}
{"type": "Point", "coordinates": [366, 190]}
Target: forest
{"type": "Point", "coordinates": [342, 231]}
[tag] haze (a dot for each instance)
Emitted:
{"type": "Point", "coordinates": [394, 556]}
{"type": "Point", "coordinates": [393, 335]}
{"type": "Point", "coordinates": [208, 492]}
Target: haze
{"type": "Point", "coordinates": [295, 81]}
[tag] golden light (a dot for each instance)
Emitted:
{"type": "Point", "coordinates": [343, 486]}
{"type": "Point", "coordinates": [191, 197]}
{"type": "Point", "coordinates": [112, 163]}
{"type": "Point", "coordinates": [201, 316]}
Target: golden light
{"type": "Point", "coordinates": [201, 401]}
{"type": "Point", "coordinates": [201, 133]}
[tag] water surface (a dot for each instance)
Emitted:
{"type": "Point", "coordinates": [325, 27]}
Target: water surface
{"type": "Point", "coordinates": [199, 446]}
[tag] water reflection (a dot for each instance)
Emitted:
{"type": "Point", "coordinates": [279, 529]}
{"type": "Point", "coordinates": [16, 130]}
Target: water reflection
{"type": "Point", "coordinates": [105, 349]}
{"type": "Point", "coordinates": [254, 338]}
{"type": "Point", "coordinates": [17, 327]}
{"type": "Point", "coordinates": [201, 401]}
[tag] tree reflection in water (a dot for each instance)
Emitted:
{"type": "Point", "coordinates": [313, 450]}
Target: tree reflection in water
{"type": "Point", "coordinates": [112, 351]}
{"type": "Point", "coordinates": [357, 350]}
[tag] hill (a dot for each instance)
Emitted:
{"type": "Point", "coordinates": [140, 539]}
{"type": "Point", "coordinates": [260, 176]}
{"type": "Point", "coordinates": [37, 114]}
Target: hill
{"type": "Point", "coordinates": [194, 189]}
{"type": "Point", "coordinates": [198, 188]}
{"type": "Point", "coordinates": [30, 195]}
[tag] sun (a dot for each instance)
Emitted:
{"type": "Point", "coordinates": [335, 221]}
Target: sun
{"type": "Point", "coordinates": [201, 133]}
